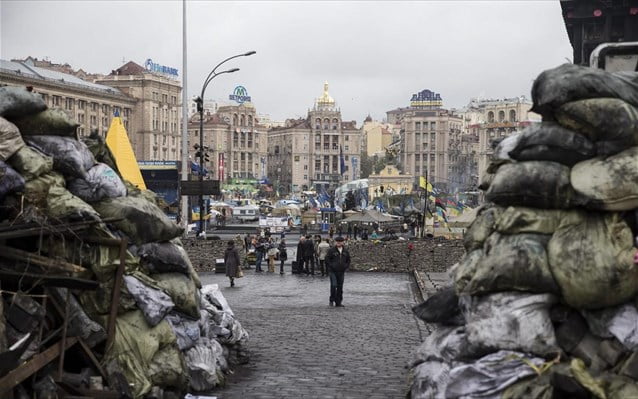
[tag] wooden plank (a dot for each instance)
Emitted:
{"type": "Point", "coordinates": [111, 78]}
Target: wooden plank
{"type": "Point", "coordinates": [25, 370]}
{"type": "Point", "coordinates": [89, 353]}
{"type": "Point", "coordinates": [115, 298]}
{"type": "Point", "coordinates": [48, 280]}
{"type": "Point", "coordinates": [24, 256]}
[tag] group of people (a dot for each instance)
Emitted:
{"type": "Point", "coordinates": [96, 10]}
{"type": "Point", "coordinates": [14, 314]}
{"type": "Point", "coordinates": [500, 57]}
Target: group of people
{"type": "Point", "coordinates": [329, 254]}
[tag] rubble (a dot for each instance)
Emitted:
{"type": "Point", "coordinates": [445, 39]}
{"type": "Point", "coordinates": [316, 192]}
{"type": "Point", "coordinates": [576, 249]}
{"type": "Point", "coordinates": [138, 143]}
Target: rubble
{"type": "Point", "coordinates": [547, 290]}
{"type": "Point", "coordinates": [98, 297]}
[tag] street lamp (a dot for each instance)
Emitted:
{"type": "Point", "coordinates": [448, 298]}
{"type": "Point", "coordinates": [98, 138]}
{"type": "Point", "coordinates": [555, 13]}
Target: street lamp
{"type": "Point", "coordinates": [200, 109]}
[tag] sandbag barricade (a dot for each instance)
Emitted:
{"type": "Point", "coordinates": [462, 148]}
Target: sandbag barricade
{"type": "Point", "coordinates": [548, 287]}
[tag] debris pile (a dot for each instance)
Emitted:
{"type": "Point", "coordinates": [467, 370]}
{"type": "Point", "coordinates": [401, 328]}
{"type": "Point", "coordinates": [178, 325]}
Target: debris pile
{"type": "Point", "coordinates": [98, 295]}
{"type": "Point", "coordinates": [543, 305]}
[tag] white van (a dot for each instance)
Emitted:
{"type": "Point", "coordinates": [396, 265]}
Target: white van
{"type": "Point", "coordinates": [246, 213]}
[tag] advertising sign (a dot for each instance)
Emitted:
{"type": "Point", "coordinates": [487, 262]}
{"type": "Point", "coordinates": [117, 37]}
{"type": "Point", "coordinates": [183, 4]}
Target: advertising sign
{"type": "Point", "coordinates": [153, 67]}
{"type": "Point", "coordinates": [240, 95]}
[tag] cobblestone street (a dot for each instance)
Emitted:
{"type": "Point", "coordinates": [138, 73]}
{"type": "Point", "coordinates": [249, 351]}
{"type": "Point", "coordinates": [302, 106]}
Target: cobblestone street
{"type": "Point", "coordinates": [302, 348]}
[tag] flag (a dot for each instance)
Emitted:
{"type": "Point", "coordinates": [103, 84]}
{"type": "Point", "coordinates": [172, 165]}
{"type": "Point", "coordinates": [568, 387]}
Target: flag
{"type": "Point", "coordinates": [342, 160]}
{"type": "Point", "coordinates": [424, 184]}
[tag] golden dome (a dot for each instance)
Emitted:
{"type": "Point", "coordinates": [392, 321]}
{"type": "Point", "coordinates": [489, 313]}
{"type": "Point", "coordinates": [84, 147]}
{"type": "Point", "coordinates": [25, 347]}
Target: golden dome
{"type": "Point", "coordinates": [325, 98]}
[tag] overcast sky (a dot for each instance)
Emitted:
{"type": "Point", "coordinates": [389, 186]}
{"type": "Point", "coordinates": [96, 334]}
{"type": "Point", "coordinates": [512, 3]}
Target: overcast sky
{"type": "Point", "coordinates": [374, 55]}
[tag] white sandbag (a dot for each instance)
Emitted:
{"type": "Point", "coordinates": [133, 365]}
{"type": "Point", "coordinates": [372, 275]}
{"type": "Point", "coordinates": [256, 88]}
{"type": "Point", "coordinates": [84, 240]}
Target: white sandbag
{"type": "Point", "coordinates": [444, 344]}
{"type": "Point", "coordinates": [430, 380]}
{"type": "Point", "coordinates": [490, 375]}
{"type": "Point", "coordinates": [187, 331]}
{"type": "Point", "coordinates": [509, 320]}
{"type": "Point", "coordinates": [608, 183]}
{"type": "Point", "coordinates": [101, 182]}
{"type": "Point", "coordinates": [154, 303]}
{"type": "Point", "coordinates": [203, 363]}
{"type": "Point", "coordinates": [619, 321]}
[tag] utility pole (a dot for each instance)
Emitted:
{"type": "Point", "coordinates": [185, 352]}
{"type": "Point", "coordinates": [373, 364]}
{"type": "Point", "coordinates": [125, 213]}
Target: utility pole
{"type": "Point", "coordinates": [184, 211]}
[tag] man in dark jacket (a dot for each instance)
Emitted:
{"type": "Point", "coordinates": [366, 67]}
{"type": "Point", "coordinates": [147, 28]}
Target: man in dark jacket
{"type": "Point", "coordinates": [308, 254]}
{"type": "Point", "coordinates": [337, 262]}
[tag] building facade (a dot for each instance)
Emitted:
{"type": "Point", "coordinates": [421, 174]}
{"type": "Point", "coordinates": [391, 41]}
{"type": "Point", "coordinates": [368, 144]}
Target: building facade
{"type": "Point", "coordinates": [321, 151]}
{"type": "Point", "coordinates": [235, 143]}
{"type": "Point", "coordinates": [91, 105]}
{"type": "Point", "coordinates": [154, 128]}
{"type": "Point", "coordinates": [376, 137]}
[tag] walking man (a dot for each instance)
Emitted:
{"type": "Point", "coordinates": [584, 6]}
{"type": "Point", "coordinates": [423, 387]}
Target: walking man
{"type": "Point", "coordinates": [337, 261]}
{"type": "Point", "coordinates": [308, 254]}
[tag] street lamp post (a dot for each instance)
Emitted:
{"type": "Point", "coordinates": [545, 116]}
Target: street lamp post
{"type": "Point", "coordinates": [200, 109]}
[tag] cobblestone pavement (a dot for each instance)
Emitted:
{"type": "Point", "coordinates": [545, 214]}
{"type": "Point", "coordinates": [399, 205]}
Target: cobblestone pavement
{"type": "Point", "coordinates": [302, 348]}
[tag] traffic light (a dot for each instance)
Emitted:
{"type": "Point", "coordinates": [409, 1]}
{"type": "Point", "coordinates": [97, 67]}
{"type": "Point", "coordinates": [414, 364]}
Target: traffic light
{"type": "Point", "coordinates": [200, 104]}
{"type": "Point", "coordinates": [206, 158]}
{"type": "Point", "coordinates": [198, 154]}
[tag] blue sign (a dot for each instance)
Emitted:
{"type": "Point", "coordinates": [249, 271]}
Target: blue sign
{"type": "Point", "coordinates": [240, 95]}
{"type": "Point", "coordinates": [153, 67]}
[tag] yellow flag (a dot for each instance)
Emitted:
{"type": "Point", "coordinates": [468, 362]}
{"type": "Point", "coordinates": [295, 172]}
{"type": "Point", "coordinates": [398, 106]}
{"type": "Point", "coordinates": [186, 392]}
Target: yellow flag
{"type": "Point", "coordinates": [118, 142]}
{"type": "Point", "coordinates": [425, 184]}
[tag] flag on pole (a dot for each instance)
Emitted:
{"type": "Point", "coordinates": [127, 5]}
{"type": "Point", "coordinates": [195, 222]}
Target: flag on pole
{"type": "Point", "coordinates": [424, 184]}
{"type": "Point", "coordinates": [342, 160]}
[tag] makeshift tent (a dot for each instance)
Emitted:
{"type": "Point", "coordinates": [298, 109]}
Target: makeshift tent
{"type": "Point", "coordinates": [370, 216]}
{"type": "Point", "coordinates": [118, 142]}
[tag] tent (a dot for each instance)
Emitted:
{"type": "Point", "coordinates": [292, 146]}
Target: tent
{"type": "Point", "coordinates": [118, 142]}
{"type": "Point", "coordinates": [369, 216]}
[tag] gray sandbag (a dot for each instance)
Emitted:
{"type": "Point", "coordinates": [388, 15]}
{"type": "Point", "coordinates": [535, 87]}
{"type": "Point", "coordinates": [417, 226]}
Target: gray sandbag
{"type": "Point", "coordinates": [52, 122]}
{"type": "Point", "coordinates": [70, 157]}
{"type": "Point", "coordinates": [191, 270]}
{"type": "Point", "coordinates": [10, 180]}
{"type": "Point", "coordinates": [153, 302]}
{"type": "Point", "coordinates": [10, 139]}
{"type": "Point", "coordinates": [430, 380]}
{"type": "Point", "coordinates": [30, 162]}
{"type": "Point", "coordinates": [481, 227]}
{"type": "Point", "coordinates": [520, 219]}
{"type": "Point", "coordinates": [620, 322]}
{"type": "Point", "coordinates": [510, 320]}
{"type": "Point", "coordinates": [504, 148]}
{"type": "Point", "coordinates": [16, 102]}
{"type": "Point", "coordinates": [203, 364]}
{"type": "Point", "coordinates": [445, 344]}
{"type": "Point", "coordinates": [79, 323]}
{"type": "Point", "coordinates": [608, 183]}
{"type": "Point", "coordinates": [163, 257]}
{"type": "Point", "coordinates": [490, 375]}
{"type": "Point", "coordinates": [100, 150]}
{"type": "Point", "coordinates": [100, 182]}
{"type": "Point", "coordinates": [183, 292]}
{"type": "Point", "coordinates": [486, 180]}
{"type": "Point", "coordinates": [186, 330]}
{"type": "Point", "coordinates": [440, 307]}
{"type": "Point", "coordinates": [593, 257]}
{"type": "Point", "coordinates": [168, 368]}
{"type": "Point", "coordinates": [537, 184]}
{"type": "Point", "coordinates": [513, 263]}
{"type": "Point", "coordinates": [605, 120]}
{"type": "Point", "coordinates": [568, 82]}
{"type": "Point", "coordinates": [142, 222]}
{"type": "Point", "coordinates": [549, 141]}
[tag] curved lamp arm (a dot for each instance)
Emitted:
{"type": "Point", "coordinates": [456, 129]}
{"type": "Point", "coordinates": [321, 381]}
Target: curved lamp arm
{"type": "Point", "coordinates": [212, 73]}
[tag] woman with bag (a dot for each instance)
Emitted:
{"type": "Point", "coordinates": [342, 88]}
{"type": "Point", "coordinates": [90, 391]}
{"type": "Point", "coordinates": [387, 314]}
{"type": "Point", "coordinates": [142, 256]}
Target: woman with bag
{"type": "Point", "coordinates": [232, 262]}
{"type": "Point", "coordinates": [283, 255]}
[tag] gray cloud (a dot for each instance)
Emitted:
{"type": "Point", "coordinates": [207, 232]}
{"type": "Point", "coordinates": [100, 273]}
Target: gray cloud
{"type": "Point", "coordinates": [373, 54]}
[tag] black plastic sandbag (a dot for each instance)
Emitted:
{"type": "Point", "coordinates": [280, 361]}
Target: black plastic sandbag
{"type": "Point", "coordinates": [442, 307]}
{"type": "Point", "coordinates": [568, 82]}
{"type": "Point", "coordinates": [52, 122]}
{"type": "Point", "coordinates": [163, 257]}
{"type": "Point", "coordinates": [101, 182]}
{"type": "Point", "coordinates": [71, 157]}
{"type": "Point", "coordinates": [537, 184]}
{"type": "Point", "coordinates": [10, 180]}
{"type": "Point", "coordinates": [17, 101]}
{"type": "Point", "coordinates": [550, 142]}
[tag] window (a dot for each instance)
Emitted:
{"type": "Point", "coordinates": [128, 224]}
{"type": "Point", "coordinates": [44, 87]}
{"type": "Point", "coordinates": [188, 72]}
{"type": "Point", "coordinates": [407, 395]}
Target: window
{"type": "Point", "coordinates": [317, 165]}
{"type": "Point", "coordinates": [501, 116]}
{"type": "Point", "coordinates": [512, 115]}
{"type": "Point", "coordinates": [55, 100]}
{"type": "Point", "coordinates": [305, 167]}
{"type": "Point", "coordinates": [490, 117]}
{"type": "Point", "coordinates": [318, 124]}
{"type": "Point", "coordinates": [347, 138]}
{"type": "Point", "coordinates": [93, 106]}
{"type": "Point", "coordinates": [82, 104]}
{"type": "Point", "coordinates": [235, 139]}
{"type": "Point", "coordinates": [296, 158]}
{"type": "Point", "coordinates": [80, 118]}
{"type": "Point", "coordinates": [250, 120]}
{"type": "Point", "coordinates": [235, 119]}
{"type": "Point", "coordinates": [242, 120]}
{"type": "Point", "coordinates": [346, 148]}
{"type": "Point", "coordinates": [305, 177]}
{"type": "Point", "coordinates": [433, 126]}
{"type": "Point", "coordinates": [326, 124]}
{"type": "Point", "coordinates": [417, 126]}
{"type": "Point", "coordinates": [93, 120]}
{"type": "Point", "coordinates": [335, 123]}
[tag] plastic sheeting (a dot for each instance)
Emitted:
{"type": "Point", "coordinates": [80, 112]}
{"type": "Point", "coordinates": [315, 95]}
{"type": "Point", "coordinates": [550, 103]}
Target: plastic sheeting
{"type": "Point", "coordinates": [101, 182]}
{"type": "Point", "coordinates": [10, 139]}
{"type": "Point", "coordinates": [71, 157]}
{"type": "Point", "coordinates": [153, 302]}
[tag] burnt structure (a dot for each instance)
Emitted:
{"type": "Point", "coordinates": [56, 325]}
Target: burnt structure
{"type": "Point", "coordinates": [592, 22]}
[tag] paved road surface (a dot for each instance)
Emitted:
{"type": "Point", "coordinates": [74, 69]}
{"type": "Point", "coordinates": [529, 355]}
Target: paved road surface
{"type": "Point", "coordinates": [302, 348]}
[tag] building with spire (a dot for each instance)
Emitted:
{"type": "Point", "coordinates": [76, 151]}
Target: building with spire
{"type": "Point", "coordinates": [319, 152]}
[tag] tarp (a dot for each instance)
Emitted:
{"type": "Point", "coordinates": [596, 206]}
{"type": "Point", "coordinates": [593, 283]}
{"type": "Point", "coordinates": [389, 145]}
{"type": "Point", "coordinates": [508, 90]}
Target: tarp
{"type": "Point", "coordinates": [369, 216]}
{"type": "Point", "coordinates": [118, 142]}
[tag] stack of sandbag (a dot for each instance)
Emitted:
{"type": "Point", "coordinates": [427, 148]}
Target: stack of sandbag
{"type": "Point", "coordinates": [171, 333]}
{"type": "Point", "coordinates": [543, 305]}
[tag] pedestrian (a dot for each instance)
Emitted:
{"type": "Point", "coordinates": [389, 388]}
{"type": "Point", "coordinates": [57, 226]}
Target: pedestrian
{"type": "Point", "coordinates": [355, 230]}
{"type": "Point", "coordinates": [260, 250]}
{"type": "Point", "coordinates": [272, 253]}
{"type": "Point", "coordinates": [322, 249]}
{"type": "Point", "coordinates": [283, 255]}
{"type": "Point", "coordinates": [308, 254]}
{"type": "Point", "coordinates": [316, 243]}
{"type": "Point", "coordinates": [349, 231]}
{"type": "Point", "coordinates": [232, 262]}
{"type": "Point", "coordinates": [331, 232]}
{"type": "Point", "coordinates": [337, 261]}
{"type": "Point", "coordinates": [339, 230]}
{"type": "Point", "coordinates": [300, 252]}
{"type": "Point", "coordinates": [364, 234]}
{"type": "Point", "coordinates": [304, 230]}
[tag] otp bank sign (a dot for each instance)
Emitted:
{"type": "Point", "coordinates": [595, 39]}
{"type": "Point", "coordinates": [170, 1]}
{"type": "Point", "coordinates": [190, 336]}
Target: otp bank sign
{"type": "Point", "coordinates": [240, 95]}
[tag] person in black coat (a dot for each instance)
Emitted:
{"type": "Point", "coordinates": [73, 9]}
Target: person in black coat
{"type": "Point", "coordinates": [337, 262]}
{"type": "Point", "coordinates": [308, 255]}
{"type": "Point", "coordinates": [232, 262]}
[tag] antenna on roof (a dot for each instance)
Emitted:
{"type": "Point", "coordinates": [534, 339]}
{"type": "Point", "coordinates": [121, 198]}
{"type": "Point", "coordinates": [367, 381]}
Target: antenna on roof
{"type": "Point", "coordinates": [123, 60]}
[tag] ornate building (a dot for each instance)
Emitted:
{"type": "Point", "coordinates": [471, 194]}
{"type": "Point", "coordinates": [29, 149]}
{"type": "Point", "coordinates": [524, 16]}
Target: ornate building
{"type": "Point", "coordinates": [320, 151]}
